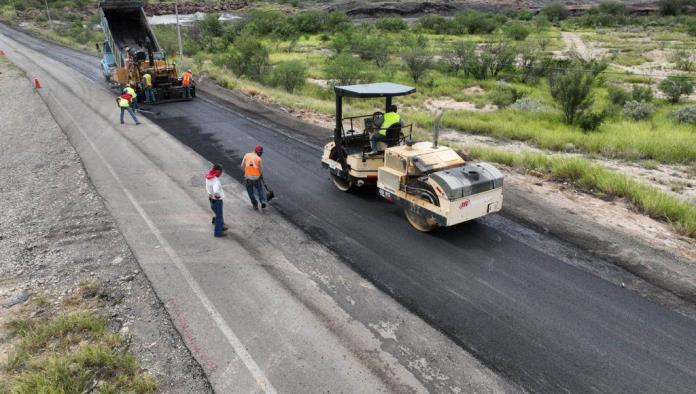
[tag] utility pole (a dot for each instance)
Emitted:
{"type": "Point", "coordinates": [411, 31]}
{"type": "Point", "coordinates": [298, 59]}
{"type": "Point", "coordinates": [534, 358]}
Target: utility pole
{"type": "Point", "coordinates": [50, 22]}
{"type": "Point", "coordinates": [178, 31]}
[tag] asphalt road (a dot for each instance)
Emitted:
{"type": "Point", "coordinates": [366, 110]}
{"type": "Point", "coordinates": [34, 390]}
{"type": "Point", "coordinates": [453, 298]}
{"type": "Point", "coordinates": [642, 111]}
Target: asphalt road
{"type": "Point", "coordinates": [543, 324]}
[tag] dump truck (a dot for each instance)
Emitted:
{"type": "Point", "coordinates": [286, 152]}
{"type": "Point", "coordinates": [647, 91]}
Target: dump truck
{"type": "Point", "coordinates": [130, 49]}
{"type": "Point", "coordinates": [432, 183]}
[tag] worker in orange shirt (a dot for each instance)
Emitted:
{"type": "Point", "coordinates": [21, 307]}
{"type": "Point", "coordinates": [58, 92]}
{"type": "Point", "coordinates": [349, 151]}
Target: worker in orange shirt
{"type": "Point", "coordinates": [253, 174]}
{"type": "Point", "coordinates": [187, 82]}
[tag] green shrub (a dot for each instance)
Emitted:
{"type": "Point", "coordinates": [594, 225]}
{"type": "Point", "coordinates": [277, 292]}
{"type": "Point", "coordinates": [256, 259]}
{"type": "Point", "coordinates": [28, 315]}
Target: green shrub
{"type": "Point", "coordinates": [248, 58]}
{"type": "Point", "coordinates": [676, 86]}
{"type": "Point", "coordinates": [392, 24]}
{"type": "Point", "coordinates": [691, 28]}
{"type": "Point", "coordinates": [525, 104]}
{"type": "Point", "coordinates": [475, 22]}
{"type": "Point", "coordinates": [457, 56]}
{"type": "Point", "coordinates": [675, 7]}
{"type": "Point", "coordinates": [555, 12]}
{"type": "Point", "coordinates": [418, 61]}
{"type": "Point", "coordinates": [309, 22]}
{"type": "Point", "coordinates": [618, 95]}
{"type": "Point", "coordinates": [290, 75]}
{"type": "Point", "coordinates": [685, 115]}
{"type": "Point", "coordinates": [436, 24]}
{"type": "Point", "coordinates": [682, 60]}
{"type": "Point", "coordinates": [638, 110]}
{"type": "Point", "coordinates": [590, 121]}
{"type": "Point", "coordinates": [263, 22]}
{"type": "Point", "coordinates": [516, 31]}
{"type": "Point", "coordinates": [344, 69]}
{"type": "Point", "coordinates": [372, 47]}
{"type": "Point", "coordinates": [611, 7]}
{"type": "Point", "coordinates": [505, 94]}
{"type": "Point", "coordinates": [572, 90]}
{"type": "Point", "coordinates": [336, 21]}
{"type": "Point", "coordinates": [642, 93]}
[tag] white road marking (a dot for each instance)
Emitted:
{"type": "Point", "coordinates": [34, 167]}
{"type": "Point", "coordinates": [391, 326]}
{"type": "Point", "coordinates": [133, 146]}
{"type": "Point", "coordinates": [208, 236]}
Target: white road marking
{"type": "Point", "coordinates": [259, 376]}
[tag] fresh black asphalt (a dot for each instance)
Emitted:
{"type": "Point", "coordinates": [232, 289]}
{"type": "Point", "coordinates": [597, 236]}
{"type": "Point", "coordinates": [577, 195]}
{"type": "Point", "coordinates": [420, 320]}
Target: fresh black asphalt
{"type": "Point", "coordinates": [544, 324]}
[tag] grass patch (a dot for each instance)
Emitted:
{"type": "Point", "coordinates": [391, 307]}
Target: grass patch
{"type": "Point", "coordinates": [598, 180]}
{"type": "Point", "coordinates": [72, 353]}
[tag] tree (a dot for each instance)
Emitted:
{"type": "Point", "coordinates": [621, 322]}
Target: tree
{"type": "Point", "coordinates": [501, 56]}
{"type": "Point", "coordinates": [516, 31]}
{"type": "Point", "coordinates": [532, 63]}
{"type": "Point", "coordinates": [457, 56]}
{"type": "Point", "coordinates": [392, 24]}
{"type": "Point", "coordinates": [309, 22]}
{"type": "Point", "coordinates": [290, 75]}
{"type": "Point", "coordinates": [249, 58]}
{"type": "Point", "coordinates": [372, 47]}
{"type": "Point", "coordinates": [336, 21]}
{"type": "Point", "coordinates": [418, 61]}
{"type": "Point", "coordinates": [555, 11]}
{"type": "Point", "coordinates": [572, 88]}
{"type": "Point", "coordinates": [344, 69]}
{"type": "Point", "coordinates": [676, 86]}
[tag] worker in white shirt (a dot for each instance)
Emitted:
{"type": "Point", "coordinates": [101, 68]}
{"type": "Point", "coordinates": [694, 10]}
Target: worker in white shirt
{"type": "Point", "coordinates": [216, 195]}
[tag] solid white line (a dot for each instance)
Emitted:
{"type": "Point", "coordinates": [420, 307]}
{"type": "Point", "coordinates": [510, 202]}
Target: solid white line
{"type": "Point", "coordinates": [239, 348]}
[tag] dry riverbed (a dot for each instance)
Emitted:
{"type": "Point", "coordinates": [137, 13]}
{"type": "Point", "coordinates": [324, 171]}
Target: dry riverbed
{"type": "Point", "coordinates": [63, 257]}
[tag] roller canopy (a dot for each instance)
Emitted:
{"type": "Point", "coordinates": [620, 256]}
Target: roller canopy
{"type": "Point", "coordinates": [382, 89]}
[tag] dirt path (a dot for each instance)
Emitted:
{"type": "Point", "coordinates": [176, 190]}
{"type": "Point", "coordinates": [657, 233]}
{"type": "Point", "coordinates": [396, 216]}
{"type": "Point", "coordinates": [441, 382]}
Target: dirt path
{"type": "Point", "coordinates": [58, 241]}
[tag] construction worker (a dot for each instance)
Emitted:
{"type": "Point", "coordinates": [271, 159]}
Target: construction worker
{"type": "Point", "coordinates": [253, 174]}
{"type": "Point", "coordinates": [391, 118]}
{"type": "Point", "coordinates": [134, 100]}
{"type": "Point", "coordinates": [147, 87]}
{"type": "Point", "coordinates": [124, 102]}
{"type": "Point", "coordinates": [215, 195]}
{"type": "Point", "coordinates": [187, 82]}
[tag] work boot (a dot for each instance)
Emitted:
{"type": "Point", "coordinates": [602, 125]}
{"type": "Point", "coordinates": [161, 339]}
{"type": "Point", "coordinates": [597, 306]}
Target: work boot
{"type": "Point", "coordinates": [213, 221]}
{"type": "Point", "coordinates": [256, 207]}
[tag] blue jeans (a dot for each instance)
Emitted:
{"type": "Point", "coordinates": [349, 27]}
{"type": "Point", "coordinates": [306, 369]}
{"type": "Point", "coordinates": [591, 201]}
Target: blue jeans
{"type": "Point", "coordinates": [216, 206]}
{"type": "Point", "coordinates": [149, 95]}
{"type": "Point", "coordinates": [374, 138]}
{"type": "Point", "coordinates": [255, 184]}
{"type": "Point", "coordinates": [187, 92]}
{"type": "Point", "coordinates": [130, 111]}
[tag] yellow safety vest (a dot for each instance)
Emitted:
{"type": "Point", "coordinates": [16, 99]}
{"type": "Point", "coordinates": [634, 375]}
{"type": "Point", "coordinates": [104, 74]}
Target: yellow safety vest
{"type": "Point", "coordinates": [123, 103]}
{"type": "Point", "coordinates": [390, 118]}
{"type": "Point", "coordinates": [131, 91]}
{"type": "Point", "coordinates": [148, 80]}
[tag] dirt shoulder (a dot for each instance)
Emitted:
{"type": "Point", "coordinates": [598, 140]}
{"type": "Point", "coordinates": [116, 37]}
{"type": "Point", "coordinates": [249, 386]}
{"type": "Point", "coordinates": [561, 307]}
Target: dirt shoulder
{"type": "Point", "coordinates": [60, 245]}
{"type": "Point", "coordinates": [608, 229]}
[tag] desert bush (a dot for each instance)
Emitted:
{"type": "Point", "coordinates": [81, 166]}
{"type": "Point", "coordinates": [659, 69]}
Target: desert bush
{"type": "Point", "coordinates": [392, 24]}
{"type": "Point", "coordinates": [435, 24]}
{"type": "Point", "coordinates": [505, 94]}
{"type": "Point", "coordinates": [525, 104]}
{"type": "Point", "coordinates": [309, 22]}
{"type": "Point", "coordinates": [611, 7]}
{"type": "Point", "coordinates": [344, 69]}
{"type": "Point", "coordinates": [372, 47]}
{"type": "Point", "coordinates": [691, 28]}
{"type": "Point", "coordinates": [572, 88]}
{"type": "Point", "coordinates": [458, 54]}
{"type": "Point", "coordinates": [638, 110]}
{"type": "Point", "coordinates": [590, 121]}
{"type": "Point", "coordinates": [290, 75]}
{"type": "Point", "coordinates": [555, 12]}
{"type": "Point", "coordinates": [618, 95]}
{"type": "Point", "coordinates": [642, 93]}
{"type": "Point", "coordinates": [418, 61]}
{"type": "Point", "coordinates": [676, 86]}
{"type": "Point", "coordinates": [532, 63]}
{"type": "Point", "coordinates": [263, 22]}
{"type": "Point", "coordinates": [516, 31]}
{"type": "Point", "coordinates": [336, 21]}
{"type": "Point", "coordinates": [675, 7]}
{"type": "Point", "coordinates": [248, 58]}
{"type": "Point", "coordinates": [685, 115]}
{"type": "Point", "coordinates": [475, 22]}
{"type": "Point", "coordinates": [682, 60]}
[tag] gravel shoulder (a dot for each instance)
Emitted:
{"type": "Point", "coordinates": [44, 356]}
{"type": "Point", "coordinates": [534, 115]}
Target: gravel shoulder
{"type": "Point", "coordinates": [58, 239]}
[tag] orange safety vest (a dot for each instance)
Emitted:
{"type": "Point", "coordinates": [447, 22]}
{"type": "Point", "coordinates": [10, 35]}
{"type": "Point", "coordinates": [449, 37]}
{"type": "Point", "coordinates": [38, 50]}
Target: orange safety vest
{"type": "Point", "coordinates": [186, 79]}
{"type": "Point", "coordinates": [252, 165]}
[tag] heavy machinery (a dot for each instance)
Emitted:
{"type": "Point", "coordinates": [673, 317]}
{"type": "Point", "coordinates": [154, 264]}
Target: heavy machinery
{"type": "Point", "coordinates": [433, 184]}
{"type": "Point", "coordinates": [130, 49]}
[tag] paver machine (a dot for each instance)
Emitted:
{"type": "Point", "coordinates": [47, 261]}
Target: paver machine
{"type": "Point", "coordinates": [130, 49]}
{"type": "Point", "coordinates": [433, 184]}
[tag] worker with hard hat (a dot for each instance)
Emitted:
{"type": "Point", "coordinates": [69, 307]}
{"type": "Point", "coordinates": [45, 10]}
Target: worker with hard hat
{"type": "Point", "coordinates": [391, 118]}
{"type": "Point", "coordinates": [124, 103]}
{"type": "Point", "coordinates": [147, 87]}
{"type": "Point", "coordinates": [134, 100]}
{"type": "Point", "coordinates": [187, 82]}
{"type": "Point", "coordinates": [215, 195]}
{"type": "Point", "coordinates": [253, 174]}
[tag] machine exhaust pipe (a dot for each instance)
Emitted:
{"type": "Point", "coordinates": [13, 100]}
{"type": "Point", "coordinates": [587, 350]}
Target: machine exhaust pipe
{"type": "Point", "coordinates": [436, 128]}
